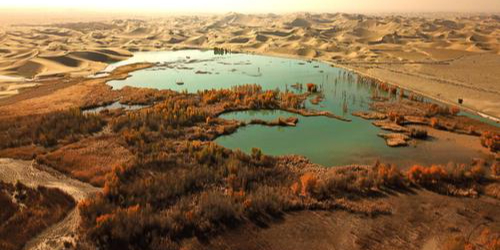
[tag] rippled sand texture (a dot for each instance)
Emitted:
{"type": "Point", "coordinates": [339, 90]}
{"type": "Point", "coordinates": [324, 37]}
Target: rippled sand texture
{"type": "Point", "coordinates": [443, 57]}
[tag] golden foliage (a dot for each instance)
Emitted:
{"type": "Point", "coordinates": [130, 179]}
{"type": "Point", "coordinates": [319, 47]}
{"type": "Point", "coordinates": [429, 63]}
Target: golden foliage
{"type": "Point", "coordinates": [434, 122]}
{"type": "Point", "coordinates": [491, 140]}
{"type": "Point", "coordinates": [251, 97]}
{"type": "Point", "coordinates": [426, 176]}
{"type": "Point", "coordinates": [308, 183]}
{"type": "Point", "coordinates": [388, 175]}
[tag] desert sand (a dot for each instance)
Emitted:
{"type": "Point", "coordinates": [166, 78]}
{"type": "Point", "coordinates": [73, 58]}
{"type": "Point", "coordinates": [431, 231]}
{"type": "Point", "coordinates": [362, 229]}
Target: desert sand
{"type": "Point", "coordinates": [443, 57]}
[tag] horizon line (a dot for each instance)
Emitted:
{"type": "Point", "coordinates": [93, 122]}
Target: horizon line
{"type": "Point", "coordinates": [147, 10]}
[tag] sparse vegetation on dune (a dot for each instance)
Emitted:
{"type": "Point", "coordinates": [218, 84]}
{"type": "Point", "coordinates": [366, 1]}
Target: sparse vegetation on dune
{"type": "Point", "coordinates": [26, 211]}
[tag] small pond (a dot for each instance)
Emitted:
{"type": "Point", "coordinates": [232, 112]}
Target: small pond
{"type": "Point", "coordinates": [114, 105]}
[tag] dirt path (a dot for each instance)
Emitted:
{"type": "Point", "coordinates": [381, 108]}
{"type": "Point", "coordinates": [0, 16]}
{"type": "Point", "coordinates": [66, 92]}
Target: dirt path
{"type": "Point", "coordinates": [25, 172]}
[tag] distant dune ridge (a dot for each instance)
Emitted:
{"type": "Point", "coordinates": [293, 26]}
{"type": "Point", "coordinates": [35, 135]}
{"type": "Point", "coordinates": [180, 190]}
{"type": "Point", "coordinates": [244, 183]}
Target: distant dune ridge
{"type": "Point", "coordinates": [426, 54]}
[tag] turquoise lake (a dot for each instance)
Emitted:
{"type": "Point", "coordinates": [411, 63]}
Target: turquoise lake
{"type": "Point", "coordinates": [323, 140]}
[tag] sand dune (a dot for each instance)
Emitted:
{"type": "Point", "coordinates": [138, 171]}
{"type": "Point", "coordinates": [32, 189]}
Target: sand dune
{"type": "Point", "coordinates": [261, 38]}
{"type": "Point", "coordinates": [357, 42]}
{"type": "Point", "coordinates": [94, 56]}
{"type": "Point", "coordinates": [65, 61]}
{"type": "Point", "coordinates": [33, 64]}
{"type": "Point", "coordinates": [239, 40]}
{"type": "Point", "coordinates": [115, 52]}
{"type": "Point", "coordinates": [29, 69]}
{"type": "Point", "coordinates": [197, 41]}
{"type": "Point", "coordinates": [300, 22]}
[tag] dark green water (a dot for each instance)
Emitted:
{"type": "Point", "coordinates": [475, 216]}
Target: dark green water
{"type": "Point", "coordinates": [323, 140]}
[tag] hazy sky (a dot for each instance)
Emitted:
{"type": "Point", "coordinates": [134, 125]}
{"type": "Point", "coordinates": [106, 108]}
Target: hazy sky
{"type": "Point", "coordinates": [265, 6]}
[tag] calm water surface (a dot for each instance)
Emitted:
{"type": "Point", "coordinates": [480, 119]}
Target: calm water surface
{"type": "Point", "coordinates": [323, 140]}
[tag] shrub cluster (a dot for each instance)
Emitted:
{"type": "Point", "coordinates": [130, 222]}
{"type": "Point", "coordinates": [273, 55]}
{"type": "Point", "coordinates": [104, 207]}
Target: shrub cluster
{"type": "Point", "coordinates": [251, 96]}
{"type": "Point", "coordinates": [437, 177]}
{"type": "Point", "coordinates": [170, 114]}
{"type": "Point", "coordinates": [350, 182]}
{"type": "Point", "coordinates": [418, 133]}
{"type": "Point", "coordinates": [178, 188]}
{"type": "Point", "coordinates": [25, 212]}
{"type": "Point", "coordinates": [359, 182]}
{"type": "Point", "coordinates": [491, 140]}
{"type": "Point", "coordinates": [177, 191]}
{"type": "Point", "coordinates": [47, 129]}
{"type": "Point", "coordinates": [160, 200]}
{"type": "Point", "coordinates": [435, 109]}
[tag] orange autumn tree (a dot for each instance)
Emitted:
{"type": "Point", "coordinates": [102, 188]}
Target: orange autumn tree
{"type": "Point", "coordinates": [491, 140]}
{"type": "Point", "coordinates": [426, 176]}
{"type": "Point", "coordinates": [308, 181]}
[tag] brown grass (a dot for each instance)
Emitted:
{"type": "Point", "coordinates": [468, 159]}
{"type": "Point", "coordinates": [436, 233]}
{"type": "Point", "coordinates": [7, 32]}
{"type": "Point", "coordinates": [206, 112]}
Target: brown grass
{"type": "Point", "coordinates": [90, 159]}
{"type": "Point", "coordinates": [27, 211]}
{"type": "Point", "coordinates": [47, 130]}
{"type": "Point", "coordinates": [23, 153]}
